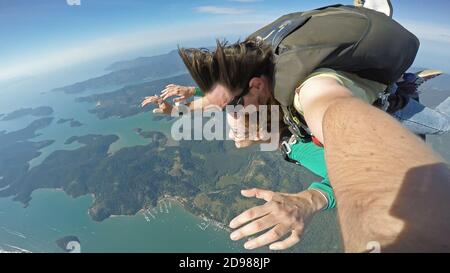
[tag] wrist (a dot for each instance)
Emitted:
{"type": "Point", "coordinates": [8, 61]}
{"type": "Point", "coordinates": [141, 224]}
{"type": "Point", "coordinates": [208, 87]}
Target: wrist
{"type": "Point", "coordinates": [195, 92]}
{"type": "Point", "coordinates": [318, 199]}
{"type": "Point", "coordinates": [191, 91]}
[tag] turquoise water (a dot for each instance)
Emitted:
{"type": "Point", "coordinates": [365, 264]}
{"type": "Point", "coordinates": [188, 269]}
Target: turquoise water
{"type": "Point", "coordinates": [64, 106]}
{"type": "Point", "coordinates": [53, 215]}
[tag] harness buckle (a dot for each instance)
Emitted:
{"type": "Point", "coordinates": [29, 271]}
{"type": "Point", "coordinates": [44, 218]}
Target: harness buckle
{"type": "Point", "coordinates": [286, 147]}
{"type": "Point", "coordinates": [384, 102]}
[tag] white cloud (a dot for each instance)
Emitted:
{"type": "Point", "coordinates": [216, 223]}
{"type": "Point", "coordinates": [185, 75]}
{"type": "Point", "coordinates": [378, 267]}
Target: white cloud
{"type": "Point", "coordinates": [221, 10]}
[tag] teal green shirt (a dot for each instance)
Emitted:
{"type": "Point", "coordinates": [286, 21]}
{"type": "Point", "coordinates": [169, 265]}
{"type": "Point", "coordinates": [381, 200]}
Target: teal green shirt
{"type": "Point", "coordinates": [312, 157]}
{"type": "Point", "coordinates": [198, 92]}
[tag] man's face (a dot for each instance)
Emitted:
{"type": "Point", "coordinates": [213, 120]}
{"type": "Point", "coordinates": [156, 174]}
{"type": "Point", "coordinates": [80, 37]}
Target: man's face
{"type": "Point", "coordinates": [259, 94]}
{"type": "Point", "coordinates": [220, 96]}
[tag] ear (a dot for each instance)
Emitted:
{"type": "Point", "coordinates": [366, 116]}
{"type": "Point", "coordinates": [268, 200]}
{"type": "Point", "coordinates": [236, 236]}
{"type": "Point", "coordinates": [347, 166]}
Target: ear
{"type": "Point", "coordinates": [256, 84]}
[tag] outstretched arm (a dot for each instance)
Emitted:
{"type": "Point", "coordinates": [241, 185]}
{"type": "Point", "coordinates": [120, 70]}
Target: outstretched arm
{"type": "Point", "coordinates": [390, 187]}
{"type": "Point", "coordinates": [182, 93]}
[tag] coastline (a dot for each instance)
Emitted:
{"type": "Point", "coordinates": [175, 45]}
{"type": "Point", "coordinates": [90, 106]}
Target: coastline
{"type": "Point", "coordinates": [50, 205]}
{"type": "Point", "coordinates": [183, 202]}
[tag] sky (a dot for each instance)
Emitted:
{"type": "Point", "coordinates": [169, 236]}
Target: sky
{"type": "Point", "coordinates": [43, 35]}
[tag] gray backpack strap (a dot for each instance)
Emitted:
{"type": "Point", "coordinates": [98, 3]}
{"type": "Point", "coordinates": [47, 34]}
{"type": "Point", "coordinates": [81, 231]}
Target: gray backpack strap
{"type": "Point", "coordinates": [281, 29]}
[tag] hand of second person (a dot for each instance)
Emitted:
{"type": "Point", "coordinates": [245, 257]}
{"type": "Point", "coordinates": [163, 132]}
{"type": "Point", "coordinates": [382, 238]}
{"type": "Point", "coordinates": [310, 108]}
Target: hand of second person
{"type": "Point", "coordinates": [163, 106]}
{"type": "Point", "coordinates": [180, 92]}
{"type": "Point", "coordinates": [282, 213]}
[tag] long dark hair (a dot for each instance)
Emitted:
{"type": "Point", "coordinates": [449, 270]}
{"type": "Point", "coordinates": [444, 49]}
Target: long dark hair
{"type": "Point", "coordinates": [231, 65]}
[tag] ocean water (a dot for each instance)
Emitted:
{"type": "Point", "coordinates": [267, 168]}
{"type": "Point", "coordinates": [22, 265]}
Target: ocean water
{"type": "Point", "coordinates": [52, 215]}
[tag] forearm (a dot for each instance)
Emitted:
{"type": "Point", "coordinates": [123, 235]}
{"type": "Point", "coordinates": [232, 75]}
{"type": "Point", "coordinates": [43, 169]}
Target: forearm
{"type": "Point", "coordinates": [390, 187]}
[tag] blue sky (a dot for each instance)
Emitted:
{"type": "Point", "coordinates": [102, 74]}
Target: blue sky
{"type": "Point", "coordinates": [47, 34]}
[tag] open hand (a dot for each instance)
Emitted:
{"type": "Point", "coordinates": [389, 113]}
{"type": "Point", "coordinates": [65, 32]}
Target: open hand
{"type": "Point", "coordinates": [181, 93]}
{"type": "Point", "coordinates": [163, 106]}
{"type": "Point", "coordinates": [284, 214]}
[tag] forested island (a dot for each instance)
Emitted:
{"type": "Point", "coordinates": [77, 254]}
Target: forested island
{"type": "Point", "coordinates": [16, 149]}
{"type": "Point", "coordinates": [72, 122]}
{"type": "Point", "coordinates": [126, 101]}
{"type": "Point", "coordinates": [22, 112]}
